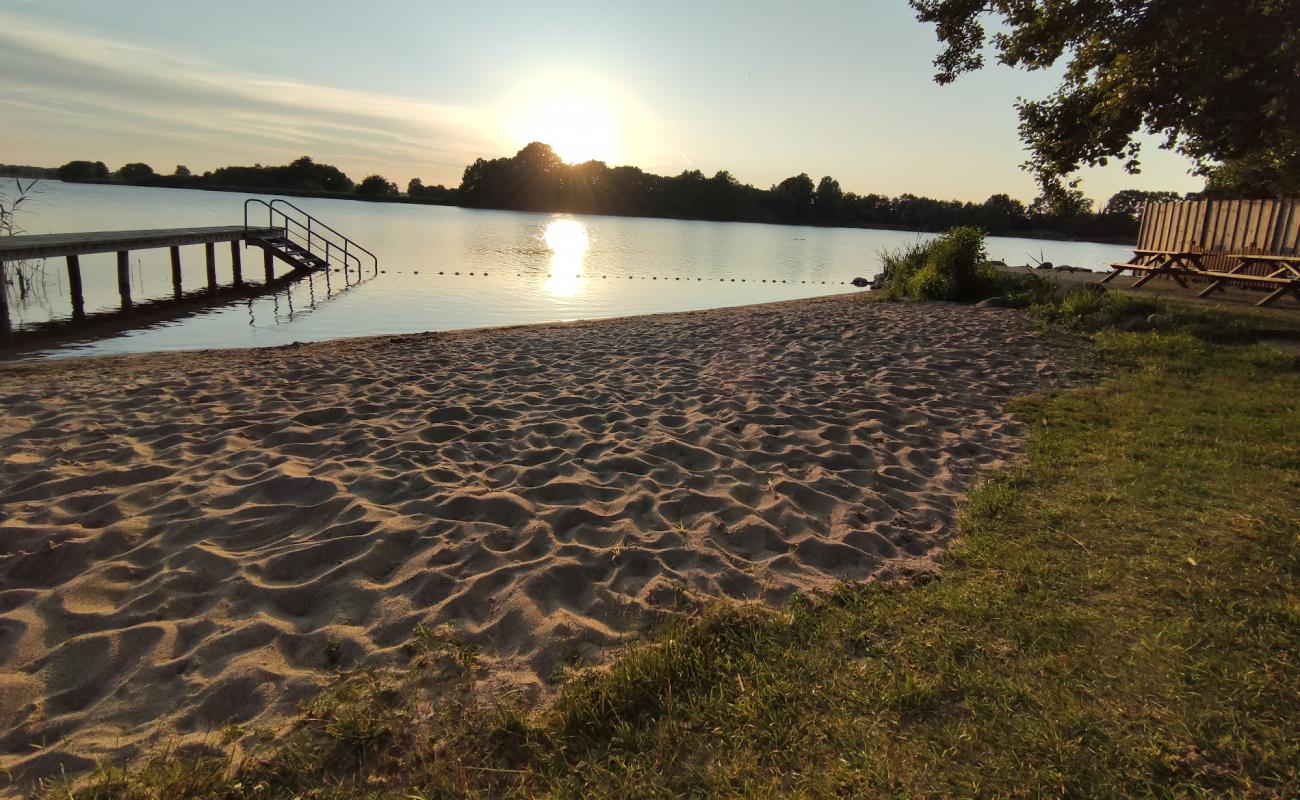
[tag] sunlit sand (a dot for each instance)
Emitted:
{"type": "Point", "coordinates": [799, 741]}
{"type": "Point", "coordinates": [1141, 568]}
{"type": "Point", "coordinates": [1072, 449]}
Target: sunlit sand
{"type": "Point", "coordinates": [194, 540]}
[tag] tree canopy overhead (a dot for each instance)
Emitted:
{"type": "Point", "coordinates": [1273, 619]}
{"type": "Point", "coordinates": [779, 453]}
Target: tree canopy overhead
{"type": "Point", "coordinates": [1219, 80]}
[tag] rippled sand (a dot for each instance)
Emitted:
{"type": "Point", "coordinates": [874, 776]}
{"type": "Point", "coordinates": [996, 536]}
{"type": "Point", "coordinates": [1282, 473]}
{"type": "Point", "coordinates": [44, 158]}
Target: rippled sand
{"type": "Point", "coordinates": [182, 534]}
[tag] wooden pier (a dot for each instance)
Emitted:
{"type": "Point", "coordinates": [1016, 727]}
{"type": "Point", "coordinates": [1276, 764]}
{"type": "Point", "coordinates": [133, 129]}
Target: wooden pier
{"type": "Point", "coordinates": [291, 235]}
{"type": "Point", "coordinates": [72, 246]}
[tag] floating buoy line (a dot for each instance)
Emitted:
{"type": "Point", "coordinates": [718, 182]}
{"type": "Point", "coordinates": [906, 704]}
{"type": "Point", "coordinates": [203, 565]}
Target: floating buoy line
{"type": "Point", "coordinates": [665, 278]}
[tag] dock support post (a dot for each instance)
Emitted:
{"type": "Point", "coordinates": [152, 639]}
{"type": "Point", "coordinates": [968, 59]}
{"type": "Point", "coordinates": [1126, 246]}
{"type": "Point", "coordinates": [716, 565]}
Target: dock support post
{"type": "Point", "coordinates": [176, 272]}
{"type": "Point", "coordinates": [74, 287]}
{"type": "Point", "coordinates": [268, 263]}
{"type": "Point", "coordinates": [124, 278]}
{"type": "Point", "coordinates": [6, 328]}
{"type": "Point", "coordinates": [236, 267]}
{"type": "Point", "coordinates": [210, 254]}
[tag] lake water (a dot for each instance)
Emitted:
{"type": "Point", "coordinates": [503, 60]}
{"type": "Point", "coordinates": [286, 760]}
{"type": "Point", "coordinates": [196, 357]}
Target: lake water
{"type": "Point", "coordinates": [527, 267]}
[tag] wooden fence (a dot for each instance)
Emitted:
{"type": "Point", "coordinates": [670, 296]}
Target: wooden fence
{"type": "Point", "coordinates": [1220, 227]}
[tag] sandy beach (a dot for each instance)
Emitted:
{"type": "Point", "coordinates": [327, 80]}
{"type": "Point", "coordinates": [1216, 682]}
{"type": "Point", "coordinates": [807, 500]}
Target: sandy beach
{"type": "Point", "coordinates": [191, 540]}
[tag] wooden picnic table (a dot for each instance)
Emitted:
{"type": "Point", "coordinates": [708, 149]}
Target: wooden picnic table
{"type": "Point", "coordinates": [1159, 262]}
{"type": "Point", "coordinates": [1252, 243]}
{"type": "Point", "coordinates": [1177, 264]}
{"type": "Point", "coordinates": [1285, 275]}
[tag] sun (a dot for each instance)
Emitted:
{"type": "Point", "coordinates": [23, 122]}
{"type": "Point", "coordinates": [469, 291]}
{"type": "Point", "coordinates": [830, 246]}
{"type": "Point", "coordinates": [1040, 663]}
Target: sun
{"type": "Point", "coordinates": [578, 128]}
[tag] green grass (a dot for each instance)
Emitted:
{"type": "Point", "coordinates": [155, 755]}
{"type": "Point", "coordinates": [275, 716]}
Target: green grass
{"type": "Point", "coordinates": [1118, 617]}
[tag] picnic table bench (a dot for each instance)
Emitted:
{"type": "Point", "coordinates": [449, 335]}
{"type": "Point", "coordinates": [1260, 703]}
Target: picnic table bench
{"type": "Point", "coordinates": [1252, 243]}
{"type": "Point", "coordinates": [1284, 274]}
{"type": "Point", "coordinates": [1157, 262]}
{"type": "Point", "coordinates": [1282, 271]}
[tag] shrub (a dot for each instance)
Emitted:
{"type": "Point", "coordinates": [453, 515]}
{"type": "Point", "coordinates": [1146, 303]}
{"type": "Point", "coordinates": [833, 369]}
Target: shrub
{"type": "Point", "coordinates": [951, 267]}
{"type": "Point", "coordinates": [932, 283]}
{"type": "Point", "coordinates": [956, 257]}
{"type": "Point", "coordinates": [898, 267]}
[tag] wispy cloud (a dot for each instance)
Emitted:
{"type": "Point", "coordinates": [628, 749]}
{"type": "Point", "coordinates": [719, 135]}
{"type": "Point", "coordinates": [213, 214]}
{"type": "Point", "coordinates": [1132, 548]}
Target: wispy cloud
{"type": "Point", "coordinates": [67, 79]}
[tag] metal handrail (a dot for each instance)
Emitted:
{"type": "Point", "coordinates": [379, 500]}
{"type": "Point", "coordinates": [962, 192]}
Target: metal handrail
{"type": "Point", "coordinates": [348, 258]}
{"type": "Point", "coordinates": [345, 246]}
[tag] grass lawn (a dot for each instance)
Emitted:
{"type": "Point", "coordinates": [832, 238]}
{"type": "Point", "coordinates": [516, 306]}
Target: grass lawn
{"type": "Point", "coordinates": [1119, 617]}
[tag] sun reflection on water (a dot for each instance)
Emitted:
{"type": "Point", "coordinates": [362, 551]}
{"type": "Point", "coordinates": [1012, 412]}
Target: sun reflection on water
{"type": "Point", "coordinates": [567, 240]}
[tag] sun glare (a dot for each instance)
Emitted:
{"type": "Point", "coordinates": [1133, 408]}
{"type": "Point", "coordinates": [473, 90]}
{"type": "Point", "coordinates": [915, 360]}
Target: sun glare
{"type": "Point", "coordinates": [578, 128]}
{"type": "Point", "coordinates": [568, 243]}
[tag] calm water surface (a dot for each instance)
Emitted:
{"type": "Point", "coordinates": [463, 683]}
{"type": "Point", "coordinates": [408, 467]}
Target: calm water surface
{"type": "Point", "coordinates": [528, 267]}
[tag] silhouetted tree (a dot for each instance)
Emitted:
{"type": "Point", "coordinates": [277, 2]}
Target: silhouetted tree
{"type": "Point", "coordinates": [83, 171]}
{"type": "Point", "coordinates": [1062, 204]}
{"type": "Point", "coordinates": [1002, 212]}
{"type": "Point", "coordinates": [794, 196]}
{"type": "Point", "coordinates": [828, 201]}
{"type": "Point", "coordinates": [303, 174]}
{"type": "Point", "coordinates": [376, 186]}
{"type": "Point", "coordinates": [182, 171]}
{"type": "Point", "coordinates": [415, 187]}
{"type": "Point", "coordinates": [532, 180]}
{"type": "Point", "coordinates": [135, 171]}
{"type": "Point", "coordinates": [1129, 201]}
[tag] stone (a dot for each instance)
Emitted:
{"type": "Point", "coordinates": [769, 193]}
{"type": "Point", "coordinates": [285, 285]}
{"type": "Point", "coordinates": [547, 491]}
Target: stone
{"type": "Point", "coordinates": [860, 282]}
{"type": "Point", "coordinates": [1159, 320]}
{"type": "Point", "coordinates": [994, 302]}
{"type": "Point", "coordinates": [1044, 265]}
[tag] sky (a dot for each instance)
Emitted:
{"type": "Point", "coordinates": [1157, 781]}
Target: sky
{"type": "Point", "coordinates": [763, 89]}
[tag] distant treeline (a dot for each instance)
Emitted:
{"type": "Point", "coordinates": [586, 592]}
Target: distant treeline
{"type": "Point", "coordinates": [536, 179]}
{"type": "Point", "coordinates": [302, 176]}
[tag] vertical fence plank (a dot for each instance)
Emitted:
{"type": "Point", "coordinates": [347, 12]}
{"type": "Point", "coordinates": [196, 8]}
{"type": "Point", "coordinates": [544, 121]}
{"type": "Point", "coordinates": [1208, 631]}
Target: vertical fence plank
{"type": "Point", "coordinates": [1162, 227]}
{"type": "Point", "coordinates": [1290, 243]}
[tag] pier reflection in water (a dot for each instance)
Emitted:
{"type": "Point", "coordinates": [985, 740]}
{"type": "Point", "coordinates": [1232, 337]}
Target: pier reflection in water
{"type": "Point", "coordinates": [265, 307]}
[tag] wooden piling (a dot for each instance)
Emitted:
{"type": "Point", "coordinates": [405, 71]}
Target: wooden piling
{"type": "Point", "coordinates": [6, 328]}
{"type": "Point", "coordinates": [176, 272]}
{"type": "Point", "coordinates": [268, 264]}
{"type": "Point", "coordinates": [210, 255]}
{"type": "Point", "coordinates": [74, 287]}
{"type": "Point", "coordinates": [236, 267]}
{"type": "Point", "coordinates": [124, 278]}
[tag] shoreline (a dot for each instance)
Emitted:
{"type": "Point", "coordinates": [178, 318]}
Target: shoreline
{"type": "Point", "coordinates": [376, 337]}
{"type": "Point", "coordinates": [197, 540]}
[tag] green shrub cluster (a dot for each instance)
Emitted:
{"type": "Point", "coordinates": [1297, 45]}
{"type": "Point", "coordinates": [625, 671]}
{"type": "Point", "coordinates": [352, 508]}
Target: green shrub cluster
{"type": "Point", "coordinates": [951, 267]}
